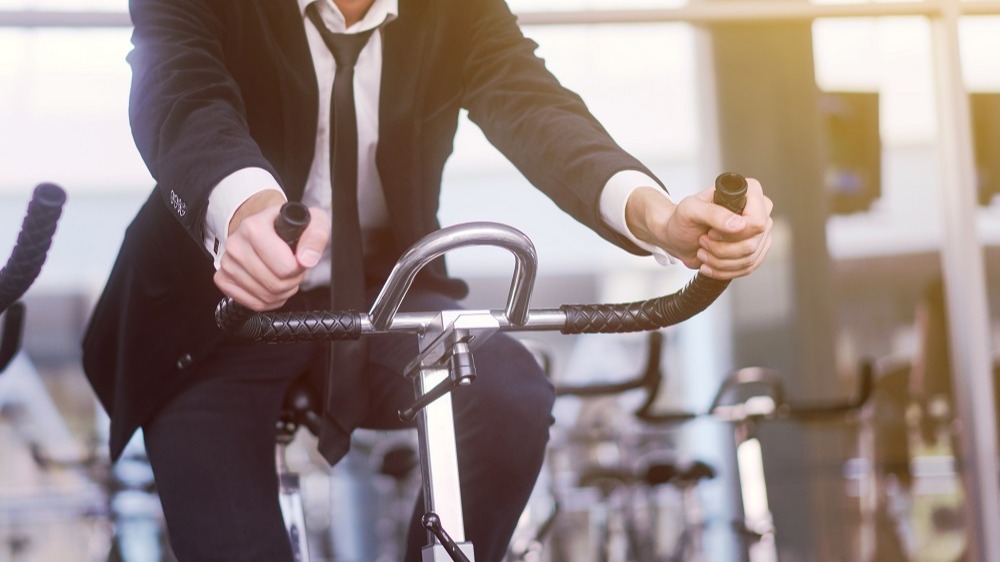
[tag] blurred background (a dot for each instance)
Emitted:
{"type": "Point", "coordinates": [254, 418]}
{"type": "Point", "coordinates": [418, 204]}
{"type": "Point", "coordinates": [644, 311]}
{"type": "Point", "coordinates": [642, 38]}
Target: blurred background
{"type": "Point", "coordinates": [874, 127]}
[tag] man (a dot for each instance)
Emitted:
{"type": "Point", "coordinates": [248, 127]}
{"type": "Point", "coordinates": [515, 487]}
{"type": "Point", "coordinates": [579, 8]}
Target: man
{"type": "Point", "coordinates": [235, 108]}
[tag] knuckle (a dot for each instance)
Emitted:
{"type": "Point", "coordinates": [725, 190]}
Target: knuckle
{"type": "Point", "coordinates": [222, 281]}
{"type": "Point", "coordinates": [273, 287]}
{"type": "Point", "coordinates": [749, 248]}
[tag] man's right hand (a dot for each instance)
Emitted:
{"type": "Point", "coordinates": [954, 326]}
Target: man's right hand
{"type": "Point", "coordinates": [258, 269]}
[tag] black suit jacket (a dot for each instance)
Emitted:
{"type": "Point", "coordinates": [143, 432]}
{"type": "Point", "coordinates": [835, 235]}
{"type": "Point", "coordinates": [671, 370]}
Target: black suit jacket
{"type": "Point", "coordinates": [219, 85]}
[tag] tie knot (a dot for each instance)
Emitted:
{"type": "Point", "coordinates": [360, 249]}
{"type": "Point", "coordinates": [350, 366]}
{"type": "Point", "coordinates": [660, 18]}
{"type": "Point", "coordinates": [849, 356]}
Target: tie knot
{"type": "Point", "coordinates": [345, 46]}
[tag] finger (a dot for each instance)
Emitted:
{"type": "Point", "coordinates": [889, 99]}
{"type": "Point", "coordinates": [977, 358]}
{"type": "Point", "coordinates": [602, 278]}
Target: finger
{"type": "Point", "coordinates": [733, 268]}
{"type": "Point", "coordinates": [762, 254]}
{"type": "Point", "coordinates": [253, 299]}
{"type": "Point", "coordinates": [314, 239]}
{"type": "Point", "coordinates": [715, 252]}
{"type": "Point", "coordinates": [263, 256]}
{"type": "Point", "coordinates": [238, 294]}
{"type": "Point", "coordinates": [262, 284]}
{"type": "Point", "coordinates": [754, 262]}
{"type": "Point", "coordinates": [270, 250]}
{"type": "Point", "coordinates": [241, 266]}
{"type": "Point", "coordinates": [713, 217]}
{"type": "Point", "coordinates": [758, 206]}
{"type": "Point", "coordinates": [241, 285]}
{"type": "Point", "coordinates": [254, 303]}
{"type": "Point", "coordinates": [736, 264]}
{"type": "Point", "coordinates": [756, 216]}
{"type": "Point", "coordinates": [738, 249]}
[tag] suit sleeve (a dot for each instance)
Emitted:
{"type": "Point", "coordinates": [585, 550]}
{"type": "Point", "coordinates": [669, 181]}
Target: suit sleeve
{"type": "Point", "coordinates": [187, 115]}
{"type": "Point", "coordinates": [544, 129]}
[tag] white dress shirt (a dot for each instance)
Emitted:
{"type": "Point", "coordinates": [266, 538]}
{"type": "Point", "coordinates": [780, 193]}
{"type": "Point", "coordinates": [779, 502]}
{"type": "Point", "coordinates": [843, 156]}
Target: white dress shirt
{"type": "Point", "coordinates": [239, 186]}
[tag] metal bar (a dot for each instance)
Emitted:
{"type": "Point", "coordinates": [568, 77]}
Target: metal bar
{"type": "Point", "coordinates": [542, 319]}
{"type": "Point", "coordinates": [442, 492]}
{"type": "Point", "coordinates": [730, 11]}
{"type": "Point", "coordinates": [55, 18]}
{"type": "Point", "coordinates": [733, 11]}
{"type": "Point", "coordinates": [965, 292]}
{"type": "Point", "coordinates": [985, 8]}
{"type": "Point", "coordinates": [436, 244]}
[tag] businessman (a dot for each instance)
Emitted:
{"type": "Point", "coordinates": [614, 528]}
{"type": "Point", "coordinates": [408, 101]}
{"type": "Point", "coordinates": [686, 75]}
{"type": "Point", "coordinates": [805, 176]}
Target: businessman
{"type": "Point", "coordinates": [351, 107]}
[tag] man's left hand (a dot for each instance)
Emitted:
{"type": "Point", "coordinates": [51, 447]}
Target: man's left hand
{"type": "Point", "coordinates": [702, 234]}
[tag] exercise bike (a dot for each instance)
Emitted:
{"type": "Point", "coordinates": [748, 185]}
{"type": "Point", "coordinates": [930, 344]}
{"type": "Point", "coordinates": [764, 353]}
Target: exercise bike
{"type": "Point", "coordinates": [447, 340]}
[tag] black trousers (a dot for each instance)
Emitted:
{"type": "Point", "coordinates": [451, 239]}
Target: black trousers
{"type": "Point", "coordinates": [212, 445]}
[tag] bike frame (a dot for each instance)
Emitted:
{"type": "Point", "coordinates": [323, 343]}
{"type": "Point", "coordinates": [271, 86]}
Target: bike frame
{"type": "Point", "coordinates": [447, 340]}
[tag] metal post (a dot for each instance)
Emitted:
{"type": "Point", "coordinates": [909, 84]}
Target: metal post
{"type": "Point", "coordinates": [697, 13]}
{"type": "Point", "coordinates": [442, 491]}
{"type": "Point", "coordinates": [965, 291]}
{"type": "Point", "coordinates": [437, 446]}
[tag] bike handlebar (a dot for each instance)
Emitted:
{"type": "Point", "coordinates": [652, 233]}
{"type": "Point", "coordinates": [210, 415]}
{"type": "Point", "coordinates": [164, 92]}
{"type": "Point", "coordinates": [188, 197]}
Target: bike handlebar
{"type": "Point", "coordinates": [646, 315]}
{"type": "Point", "coordinates": [769, 386]}
{"type": "Point", "coordinates": [648, 379]}
{"type": "Point", "coordinates": [292, 220]}
{"type": "Point", "coordinates": [32, 244]}
{"type": "Point", "coordinates": [807, 411]}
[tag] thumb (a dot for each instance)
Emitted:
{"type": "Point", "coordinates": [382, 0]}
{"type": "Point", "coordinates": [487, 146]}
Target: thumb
{"type": "Point", "coordinates": [733, 222]}
{"type": "Point", "coordinates": [713, 216]}
{"type": "Point", "coordinates": [314, 239]}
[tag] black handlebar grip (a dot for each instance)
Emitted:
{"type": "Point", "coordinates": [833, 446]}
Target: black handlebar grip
{"type": "Point", "coordinates": [10, 333]}
{"type": "Point", "coordinates": [33, 242]}
{"type": "Point", "coordinates": [287, 327]}
{"type": "Point", "coordinates": [697, 295]}
{"type": "Point", "coordinates": [292, 220]}
{"type": "Point", "coordinates": [731, 192]}
{"type": "Point", "coordinates": [645, 315]}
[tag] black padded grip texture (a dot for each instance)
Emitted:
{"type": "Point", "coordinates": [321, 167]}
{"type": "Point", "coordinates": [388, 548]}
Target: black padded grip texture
{"type": "Point", "coordinates": [10, 333]}
{"type": "Point", "coordinates": [32, 244]}
{"type": "Point", "coordinates": [643, 315]}
{"type": "Point", "coordinates": [287, 327]}
{"type": "Point", "coordinates": [731, 191]}
{"type": "Point", "coordinates": [291, 222]}
{"type": "Point", "coordinates": [230, 315]}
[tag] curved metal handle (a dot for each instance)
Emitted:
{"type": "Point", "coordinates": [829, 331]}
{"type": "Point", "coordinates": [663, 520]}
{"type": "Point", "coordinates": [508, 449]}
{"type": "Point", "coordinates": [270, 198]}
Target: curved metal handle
{"type": "Point", "coordinates": [449, 238]}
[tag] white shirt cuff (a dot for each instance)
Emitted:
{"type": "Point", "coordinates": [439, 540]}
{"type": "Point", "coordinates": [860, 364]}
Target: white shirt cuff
{"type": "Point", "coordinates": [226, 198]}
{"type": "Point", "coordinates": [612, 206]}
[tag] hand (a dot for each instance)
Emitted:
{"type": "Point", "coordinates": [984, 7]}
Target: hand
{"type": "Point", "coordinates": [703, 235]}
{"type": "Point", "coordinates": [258, 268]}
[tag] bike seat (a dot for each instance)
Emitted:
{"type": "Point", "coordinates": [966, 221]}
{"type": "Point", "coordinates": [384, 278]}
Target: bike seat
{"type": "Point", "coordinates": [605, 479]}
{"type": "Point", "coordinates": [690, 474]}
{"type": "Point", "coordinates": [681, 474]}
{"type": "Point", "coordinates": [659, 473]}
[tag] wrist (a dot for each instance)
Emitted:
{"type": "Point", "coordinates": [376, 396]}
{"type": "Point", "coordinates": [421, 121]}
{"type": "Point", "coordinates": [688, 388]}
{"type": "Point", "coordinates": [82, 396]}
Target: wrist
{"type": "Point", "coordinates": [254, 204]}
{"type": "Point", "coordinates": [646, 214]}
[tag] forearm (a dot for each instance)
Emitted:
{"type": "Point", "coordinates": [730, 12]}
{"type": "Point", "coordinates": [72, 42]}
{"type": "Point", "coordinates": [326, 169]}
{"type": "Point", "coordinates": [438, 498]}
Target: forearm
{"type": "Point", "coordinates": [185, 109]}
{"type": "Point", "coordinates": [544, 129]}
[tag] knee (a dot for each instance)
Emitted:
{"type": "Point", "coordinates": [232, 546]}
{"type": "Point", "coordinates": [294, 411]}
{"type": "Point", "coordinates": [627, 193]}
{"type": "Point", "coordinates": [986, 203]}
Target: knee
{"type": "Point", "coordinates": [514, 395]}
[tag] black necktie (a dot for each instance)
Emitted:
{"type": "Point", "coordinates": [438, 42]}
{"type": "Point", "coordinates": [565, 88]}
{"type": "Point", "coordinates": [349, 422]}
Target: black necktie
{"type": "Point", "coordinates": [346, 395]}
